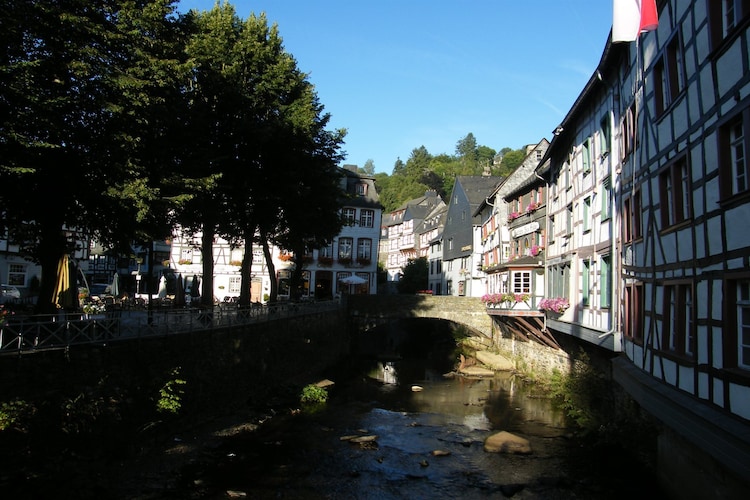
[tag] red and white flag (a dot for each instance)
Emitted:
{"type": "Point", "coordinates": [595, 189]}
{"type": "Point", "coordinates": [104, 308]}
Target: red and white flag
{"type": "Point", "coordinates": [630, 18]}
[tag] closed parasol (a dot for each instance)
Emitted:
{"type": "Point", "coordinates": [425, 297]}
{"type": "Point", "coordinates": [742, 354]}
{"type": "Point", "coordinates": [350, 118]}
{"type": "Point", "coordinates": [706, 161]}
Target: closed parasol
{"type": "Point", "coordinates": [179, 294]}
{"type": "Point", "coordinates": [162, 293]}
{"type": "Point", "coordinates": [114, 288]}
{"type": "Point", "coordinates": [65, 293]}
{"type": "Point", "coordinates": [195, 290]}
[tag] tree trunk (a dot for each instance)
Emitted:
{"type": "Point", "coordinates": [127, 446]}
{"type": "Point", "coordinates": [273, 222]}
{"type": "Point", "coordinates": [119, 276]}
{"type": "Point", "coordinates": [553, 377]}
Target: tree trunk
{"type": "Point", "coordinates": [274, 292]}
{"type": "Point", "coordinates": [207, 254]}
{"type": "Point", "coordinates": [246, 269]}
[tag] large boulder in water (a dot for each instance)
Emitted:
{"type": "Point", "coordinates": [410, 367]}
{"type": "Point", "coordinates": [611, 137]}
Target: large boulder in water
{"type": "Point", "coordinates": [505, 442]}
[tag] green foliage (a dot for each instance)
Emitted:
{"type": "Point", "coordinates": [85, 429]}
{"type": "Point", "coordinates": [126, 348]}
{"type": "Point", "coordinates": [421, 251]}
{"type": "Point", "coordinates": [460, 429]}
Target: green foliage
{"type": "Point", "coordinates": [415, 276]}
{"type": "Point", "coordinates": [423, 171]}
{"type": "Point", "coordinates": [15, 415]}
{"type": "Point", "coordinates": [584, 394]}
{"type": "Point", "coordinates": [312, 394]}
{"type": "Point", "coordinates": [170, 394]}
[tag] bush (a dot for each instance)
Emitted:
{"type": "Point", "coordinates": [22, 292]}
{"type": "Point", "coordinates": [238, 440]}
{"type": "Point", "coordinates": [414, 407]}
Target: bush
{"type": "Point", "coordinates": [312, 394]}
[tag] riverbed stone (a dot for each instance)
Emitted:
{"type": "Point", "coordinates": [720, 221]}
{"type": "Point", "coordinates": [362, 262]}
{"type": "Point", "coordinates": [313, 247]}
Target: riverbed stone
{"type": "Point", "coordinates": [505, 442]}
{"type": "Point", "coordinates": [476, 371]}
{"type": "Point", "coordinates": [494, 361]}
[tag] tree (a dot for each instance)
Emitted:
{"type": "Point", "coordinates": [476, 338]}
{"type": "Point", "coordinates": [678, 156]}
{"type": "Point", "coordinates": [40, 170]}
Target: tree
{"type": "Point", "coordinates": [415, 276]}
{"type": "Point", "coordinates": [265, 143]}
{"type": "Point", "coordinates": [79, 87]}
{"type": "Point", "coordinates": [466, 149]}
{"type": "Point", "coordinates": [369, 168]}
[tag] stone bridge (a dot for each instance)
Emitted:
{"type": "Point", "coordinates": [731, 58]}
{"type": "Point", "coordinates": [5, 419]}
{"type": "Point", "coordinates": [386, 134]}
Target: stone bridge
{"type": "Point", "coordinates": [368, 311]}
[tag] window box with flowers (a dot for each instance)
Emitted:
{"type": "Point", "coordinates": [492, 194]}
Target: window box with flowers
{"type": "Point", "coordinates": [286, 257]}
{"type": "Point", "coordinates": [535, 250]}
{"type": "Point", "coordinates": [532, 206]}
{"type": "Point", "coordinates": [555, 306]}
{"type": "Point", "coordinates": [362, 261]}
{"type": "Point", "coordinates": [345, 261]}
{"type": "Point", "coordinates": [184, 262]}
{"type": "Point", "coordinates": [513, 216]}
{"type": "Point", "coordinates": [325, 261]}
{"type": "Point", "coordinates": [237, 263]}
{"type": "Point", "coordinates": [492, 300]}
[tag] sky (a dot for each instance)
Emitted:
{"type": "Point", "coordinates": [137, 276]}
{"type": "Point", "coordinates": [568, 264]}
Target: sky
{"type": "Point", "coordinates": [401, 74]}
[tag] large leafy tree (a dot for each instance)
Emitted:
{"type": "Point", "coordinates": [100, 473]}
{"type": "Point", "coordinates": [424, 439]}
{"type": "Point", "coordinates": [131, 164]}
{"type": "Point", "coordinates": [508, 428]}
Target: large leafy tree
{"type": "Point", "coordinates": [260, 139]}
{"type": "Point", "coordinates": [79, 81]}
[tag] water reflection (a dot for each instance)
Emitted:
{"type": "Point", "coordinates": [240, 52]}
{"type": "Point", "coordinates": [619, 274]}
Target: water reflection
{"type": "Point", "coordinates": [499, 402]}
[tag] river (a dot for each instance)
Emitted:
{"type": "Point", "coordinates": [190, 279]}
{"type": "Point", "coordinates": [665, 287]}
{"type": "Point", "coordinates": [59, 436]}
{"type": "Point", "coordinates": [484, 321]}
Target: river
{"type": "Point", "coordinates": [404, 428]}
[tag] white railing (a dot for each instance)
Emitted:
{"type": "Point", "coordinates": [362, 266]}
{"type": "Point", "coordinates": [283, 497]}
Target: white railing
{"type": "Point", "coordinates": [22, 334]}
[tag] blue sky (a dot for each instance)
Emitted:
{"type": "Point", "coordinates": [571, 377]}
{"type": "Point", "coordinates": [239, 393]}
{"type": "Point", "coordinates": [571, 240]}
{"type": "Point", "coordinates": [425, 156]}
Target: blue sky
{"type": "Point", "coordinates": [400, 74]}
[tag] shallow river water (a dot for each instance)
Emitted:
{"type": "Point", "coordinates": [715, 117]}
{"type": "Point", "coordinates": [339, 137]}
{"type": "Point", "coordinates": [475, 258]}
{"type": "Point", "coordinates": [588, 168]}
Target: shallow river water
{"type": "Point", "coordinates": [421, 436]}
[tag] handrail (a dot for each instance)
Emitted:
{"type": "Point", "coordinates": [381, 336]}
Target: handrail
{"type": "Point", "coordinates": [28, 334]}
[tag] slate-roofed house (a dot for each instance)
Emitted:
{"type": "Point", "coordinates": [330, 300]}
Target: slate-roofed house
{"type": "Point", "coordinates": [431, 247]}
{"type": "Point", "coordinates": [462, 235]}
{"type": "Point", "coordinates": [399, 233]}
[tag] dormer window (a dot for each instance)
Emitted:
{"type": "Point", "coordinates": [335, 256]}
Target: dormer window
{"type": "Point", "coordinates": [362, 189]}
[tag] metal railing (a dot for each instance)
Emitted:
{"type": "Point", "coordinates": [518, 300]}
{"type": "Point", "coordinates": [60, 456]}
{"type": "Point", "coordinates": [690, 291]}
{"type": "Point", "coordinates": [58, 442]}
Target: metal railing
{"type": "Point", "coordinates": [25, 334]}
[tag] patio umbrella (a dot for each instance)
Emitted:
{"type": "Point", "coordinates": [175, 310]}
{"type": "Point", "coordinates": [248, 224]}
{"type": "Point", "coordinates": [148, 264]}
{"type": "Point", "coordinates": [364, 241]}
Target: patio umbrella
{"type": "Point", "coordinates": [65, 293]}
{"type": "Point", "coordinates": [195, 290]}
{"type": "Point", "coordinates": [352, 281]}
{"type": "Point", "coordinates": [162, 293]}
{"type": "Point", "coordinates": [179, 294]}
{"type": "Point", "coordinates": [114, 288]}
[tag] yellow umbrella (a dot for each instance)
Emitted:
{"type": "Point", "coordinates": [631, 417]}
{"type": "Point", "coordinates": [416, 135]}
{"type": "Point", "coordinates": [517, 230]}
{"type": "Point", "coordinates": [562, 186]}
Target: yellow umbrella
{"type": "Point", "coordinates": [64, 292]}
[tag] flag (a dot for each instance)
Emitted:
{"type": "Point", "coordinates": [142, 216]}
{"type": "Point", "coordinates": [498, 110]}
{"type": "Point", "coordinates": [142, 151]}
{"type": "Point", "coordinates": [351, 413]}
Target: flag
{"type": "Point", "coordinates": [630, 18]}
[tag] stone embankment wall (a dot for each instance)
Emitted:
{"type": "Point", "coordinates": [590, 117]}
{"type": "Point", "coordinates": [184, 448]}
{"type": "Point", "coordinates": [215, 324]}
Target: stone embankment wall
{"type": "Point", "coordinates": [221, 368]}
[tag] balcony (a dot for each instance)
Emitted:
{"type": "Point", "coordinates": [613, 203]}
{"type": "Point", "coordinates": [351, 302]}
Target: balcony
{"type": "Point", "coordinates": [509, 304]}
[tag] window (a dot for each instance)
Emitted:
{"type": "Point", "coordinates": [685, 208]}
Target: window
{"type": "Point", "coordinates": [627, 217]}
{"type": "Point", "coordinates": [674, 190]}
{"type": "Point", "coordinates": [366, 218]}
{"type": "Point", "coordinates": [551, 231]}
{"type": "Point", "coordinates": [326, 251]}
{"type": "Point", "coordinates": [16, 275]}
{"type": "Point", "coordinates": [186, 256]}
{"type": "Point", "coordinates": [585, 274]}
{"type": "Point", "coordinates": [234, 284]}
{"type": "Point", "coordinates": [559, 278]}
{"type": "Point", "coordinates": [604, 135]}
{"type": "Point", "coordinates": [586, 214]}
{"type": "Point", "coordinates": [669, 76]}
{"type": "Point", "coordinates": [586, 157]}
{"type": "Point", "coordinates": [605, 282]}
{"type": "Point", "coordinates": [628, 135]}
{"type": "Point", "coordinates": [743, 324]}
{"type": "Point", "coordinates": [733, 169]}
{"type": "Point", "coordinates": [350, 215]}
{"type": "Point", "coordinates": [569, 220]}
{"type": "Point", "coordinates": [364, 249]}
{"type": "Point", "coordinates": [724, 17]}
{"type": "Point", "coordinates": [361, 189]}
{"type": "Point", "coordinates": [345, 248]}
{"type": "Point", "coordinates": [606, 198]}
{"type": "Point", "coordinates": [521, 281]}
{"type": "Point", "coordinates": [677, 323]}
{"type": "Point", "coordinates": [633, 312]}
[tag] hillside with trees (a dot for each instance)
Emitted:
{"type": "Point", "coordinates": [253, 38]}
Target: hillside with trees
{"type": "Point", "coordinates": [423, 170]}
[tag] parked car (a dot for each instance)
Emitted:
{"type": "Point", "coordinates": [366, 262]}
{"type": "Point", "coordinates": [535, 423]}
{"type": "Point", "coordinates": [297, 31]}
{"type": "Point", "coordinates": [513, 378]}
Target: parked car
{"type": "Point", "coordinates": [9, 293]}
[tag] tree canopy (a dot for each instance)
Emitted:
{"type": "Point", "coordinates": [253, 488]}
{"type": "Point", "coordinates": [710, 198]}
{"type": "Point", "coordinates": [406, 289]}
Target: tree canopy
{"type": "Point", "coordinates": [424, 171]}
{"type": "Point", "coordinates": [119, 117]}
